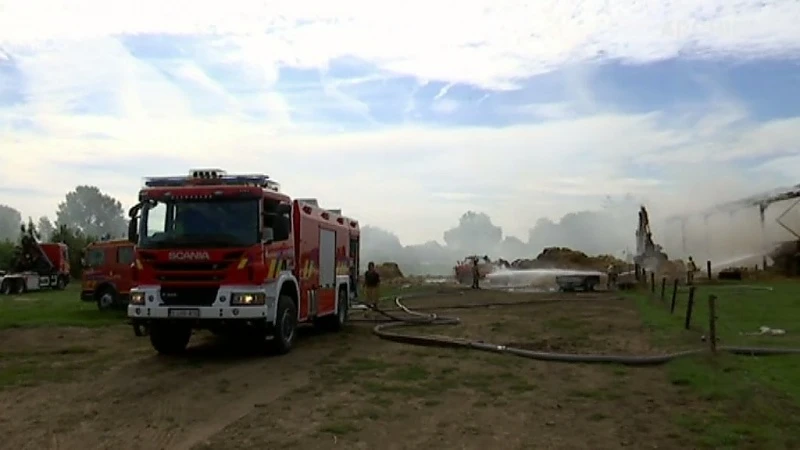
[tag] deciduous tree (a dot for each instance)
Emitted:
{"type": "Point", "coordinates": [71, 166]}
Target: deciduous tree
{"type": "Point", "coordinates": [10, 220]}
{"type": "Point", "coordinates": [91, 212]}
{"type": "Point", "coordinates": [45, 228]}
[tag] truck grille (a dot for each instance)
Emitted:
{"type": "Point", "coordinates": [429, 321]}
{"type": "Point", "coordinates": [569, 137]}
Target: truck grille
{"type": "Point", "coordinates": [192, 277]}
{"type": "Point", "coordinates": [193, 272]}
{"type": "Point", "coordinates": [188, 296]}
{"type": "Point", "coordinates": [191, 266]}
{"type": "Point", "coordinates": [208, 273]}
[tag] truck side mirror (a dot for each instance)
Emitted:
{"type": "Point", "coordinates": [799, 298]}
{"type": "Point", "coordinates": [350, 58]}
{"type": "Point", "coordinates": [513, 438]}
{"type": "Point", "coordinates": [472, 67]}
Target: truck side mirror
{"type": "Point", "coordinates": [267, 236]}
{"type": "Point", "coordinates": [133, 225]}
{"type": "Point", "coordinates": [284, 208]}
{"type": "Point", "coordinates": [133, 230]}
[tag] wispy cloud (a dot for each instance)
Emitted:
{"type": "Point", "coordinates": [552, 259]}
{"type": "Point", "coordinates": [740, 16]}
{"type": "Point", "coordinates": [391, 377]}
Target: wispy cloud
{"type": "Point", "coordinates": [403, 114]}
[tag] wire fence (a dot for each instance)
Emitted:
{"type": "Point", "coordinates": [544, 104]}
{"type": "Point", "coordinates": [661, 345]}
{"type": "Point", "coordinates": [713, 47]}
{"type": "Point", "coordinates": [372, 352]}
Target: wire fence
{"type": "Point", "coordinates": [733, 314]}
{"type": "Point", "coordinates": [750, 401]}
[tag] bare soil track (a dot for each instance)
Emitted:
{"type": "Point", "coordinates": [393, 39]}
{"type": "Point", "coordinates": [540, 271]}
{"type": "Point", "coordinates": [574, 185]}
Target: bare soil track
{"type": "Point", "coordinates": [73, 388]}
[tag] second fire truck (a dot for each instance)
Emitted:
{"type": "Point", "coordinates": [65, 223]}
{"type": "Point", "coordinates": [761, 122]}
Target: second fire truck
{"type": "Point", "coordinates": [233, 254]}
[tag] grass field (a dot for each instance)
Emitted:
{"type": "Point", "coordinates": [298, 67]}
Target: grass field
{"type": "Point", "coordinates": [74, 377]}
{"type": "Point", "coordinates": [53, 308]}
{"type": "Point", "coordinates": [747, 399]}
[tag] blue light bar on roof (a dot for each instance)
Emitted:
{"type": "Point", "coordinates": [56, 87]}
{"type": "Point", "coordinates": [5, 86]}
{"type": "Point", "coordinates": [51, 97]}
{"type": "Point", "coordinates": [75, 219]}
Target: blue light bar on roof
{"type": "Point", "coordinates": [165, 181]}
{"type": "Point", "coordinates": [261, 181]}
{"type": "Point", "coordinates": [242, 180]}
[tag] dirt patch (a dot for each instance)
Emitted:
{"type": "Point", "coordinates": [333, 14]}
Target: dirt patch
{"type": "Point", "coordinates": [351, 390]}
{"type": "Point", "coordinates": [568, 323]}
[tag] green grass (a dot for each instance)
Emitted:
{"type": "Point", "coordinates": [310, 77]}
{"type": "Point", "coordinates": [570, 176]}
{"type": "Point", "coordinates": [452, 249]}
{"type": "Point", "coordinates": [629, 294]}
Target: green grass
{"type": "Point", "coordinates": [743, 402]}
{"type": "Point", "coordinates": [65, 308]}
{"type": "Point", "coordinates": [741, 310]}
{"type": "Point", "coordinates": [54, 308]}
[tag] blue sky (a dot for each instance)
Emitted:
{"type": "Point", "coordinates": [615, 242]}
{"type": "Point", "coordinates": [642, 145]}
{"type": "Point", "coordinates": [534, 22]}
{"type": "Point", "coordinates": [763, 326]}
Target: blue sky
{"type": "Point", "coordinates": [405, 120]}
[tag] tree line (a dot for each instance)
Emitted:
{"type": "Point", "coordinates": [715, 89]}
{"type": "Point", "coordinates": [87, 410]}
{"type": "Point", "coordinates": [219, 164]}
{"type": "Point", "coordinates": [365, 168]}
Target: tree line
{"type": "Point", "coordinates": [609, 229]}
{"type": "Point", "coordinates": [85, 215]}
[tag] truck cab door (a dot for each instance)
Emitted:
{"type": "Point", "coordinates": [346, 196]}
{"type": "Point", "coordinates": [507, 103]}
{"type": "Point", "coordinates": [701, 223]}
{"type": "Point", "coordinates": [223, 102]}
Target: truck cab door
{"type": "Point", "coordinates": [355, 257]}
{"type": "Point", "coordinates": [122, 270]}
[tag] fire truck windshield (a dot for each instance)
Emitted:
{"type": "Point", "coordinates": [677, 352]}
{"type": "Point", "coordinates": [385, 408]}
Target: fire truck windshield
{"type": "Point", "coordinates": [199, 223]}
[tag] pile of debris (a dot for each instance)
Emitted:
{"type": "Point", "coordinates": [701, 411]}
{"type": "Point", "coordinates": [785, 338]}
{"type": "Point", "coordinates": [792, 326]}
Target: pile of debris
{"type": "Point", "coordinates": [786, 258]}
{"type": "Point", "coordinates": [566, 258]}
{"type": "Point", "coordinates": [389, 271]}
{"type": "Point", "coordinates": [674, 269]}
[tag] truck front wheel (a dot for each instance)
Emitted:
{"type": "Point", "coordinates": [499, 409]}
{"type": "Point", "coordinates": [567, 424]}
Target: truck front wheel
{"type": "Point", "coordinates": [285, 329]}
{"type": "Point", "coordinates": [106, 299]}
{"type": "Point", "coordinates": [170, 338]}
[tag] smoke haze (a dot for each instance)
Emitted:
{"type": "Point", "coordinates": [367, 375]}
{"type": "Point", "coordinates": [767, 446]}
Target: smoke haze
{"type": "Point", "coordinates": [608, 229]}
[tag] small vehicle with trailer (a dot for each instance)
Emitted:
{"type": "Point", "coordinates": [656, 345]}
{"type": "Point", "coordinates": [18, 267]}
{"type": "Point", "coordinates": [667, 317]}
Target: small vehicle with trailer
{"type": "Point", "coordinates": [235, 255]}
{"type": "Point", "coordinates": [577, 282]}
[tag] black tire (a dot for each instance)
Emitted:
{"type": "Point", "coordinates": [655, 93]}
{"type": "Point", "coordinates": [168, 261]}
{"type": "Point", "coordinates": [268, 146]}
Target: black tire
{"type": "Point", "coordinates": [342, 311]}
{"type": "Point", "coordinates": [106, 299]}
{"type": "Point", "coordinates": [5, 288]}
{"type": "Point", "coordinates": [284, 332]}
{"type": "Point", "coordinates": [170, 338]}
{"type": "Point", "coordinates": [19, 287]}
{"type": "Point", "coordinates": [61, 283]}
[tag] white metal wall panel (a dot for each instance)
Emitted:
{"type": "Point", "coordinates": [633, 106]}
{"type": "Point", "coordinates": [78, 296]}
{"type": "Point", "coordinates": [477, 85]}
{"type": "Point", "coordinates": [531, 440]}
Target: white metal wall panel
{"type": "Point", "coordinates": [327, 258]}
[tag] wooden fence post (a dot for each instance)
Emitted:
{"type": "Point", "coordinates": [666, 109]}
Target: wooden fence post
{"type": "Point", "coordinates": [663, 287]}
{"type": "Point", "coordinates": [712, 323]}
{"type": "Point", "coordinates": [674, 296]}
{"type": "Point", "coordinates": [689, 306]}
{"type": "Point", "coordinates": [708, 269]}
{"type": "Point", "coordinates": [652, 283]}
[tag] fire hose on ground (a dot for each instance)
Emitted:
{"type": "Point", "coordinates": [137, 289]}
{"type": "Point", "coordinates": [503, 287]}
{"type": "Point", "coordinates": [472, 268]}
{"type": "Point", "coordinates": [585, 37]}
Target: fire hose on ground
{"type": "Point", "coordinates": [385, 330]}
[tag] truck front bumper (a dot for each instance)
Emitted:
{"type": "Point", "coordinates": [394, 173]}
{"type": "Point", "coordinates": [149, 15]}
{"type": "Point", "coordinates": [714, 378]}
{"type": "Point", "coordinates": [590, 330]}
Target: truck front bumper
{"type": "Point", "coordinates": [153, 308]}
{"type": "Point", "coordinates": [141, 312]}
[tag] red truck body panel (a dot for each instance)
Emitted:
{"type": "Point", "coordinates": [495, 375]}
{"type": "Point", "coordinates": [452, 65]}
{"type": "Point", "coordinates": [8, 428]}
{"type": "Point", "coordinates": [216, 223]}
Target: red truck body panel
{"type": "Point", "coordinates": [311, 222]}
{"type": "Point", "coordinates": [301, 256]}
{"type": "Point", "coordinates": [108, 266]}
{"type": "Point", "coordinates": [58, 254]}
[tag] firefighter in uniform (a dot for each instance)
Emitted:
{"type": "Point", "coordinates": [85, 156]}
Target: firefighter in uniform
{"type": "Point", "coordinates": [476, 274]}
{"type": "Point", "coordinates": [612, 276]}
{"type": "Point", "coordinates": [691, 269]}
{"type": "Point", "coordinates": [372, 284]}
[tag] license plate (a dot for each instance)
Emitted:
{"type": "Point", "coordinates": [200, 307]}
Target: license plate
{"type": "Point", "coordinates": [184, 313]}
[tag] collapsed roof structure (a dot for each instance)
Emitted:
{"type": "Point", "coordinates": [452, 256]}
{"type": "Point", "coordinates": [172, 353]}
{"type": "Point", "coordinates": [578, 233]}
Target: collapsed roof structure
{"type": "Point", "coordinates": [761, 201]}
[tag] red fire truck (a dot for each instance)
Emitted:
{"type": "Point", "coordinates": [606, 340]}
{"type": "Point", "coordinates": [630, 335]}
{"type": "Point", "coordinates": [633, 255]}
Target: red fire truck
{"type": "Point", "coordinates": [233, 254]}
{"type": "Point", "coordinates": [37, 266]}
{"type": "Point", "coordinates": [106, 278]}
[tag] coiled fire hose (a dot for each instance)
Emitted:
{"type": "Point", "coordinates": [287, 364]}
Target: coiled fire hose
{"type": "Point", "coordinates": [391, 321]}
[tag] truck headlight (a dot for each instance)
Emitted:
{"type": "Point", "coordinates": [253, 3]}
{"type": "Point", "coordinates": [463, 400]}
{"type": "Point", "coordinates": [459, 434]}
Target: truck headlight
{"type": "Point", "coordinates": [255, 298]}
{"type": "Point", "coordinates": [137, 298]}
